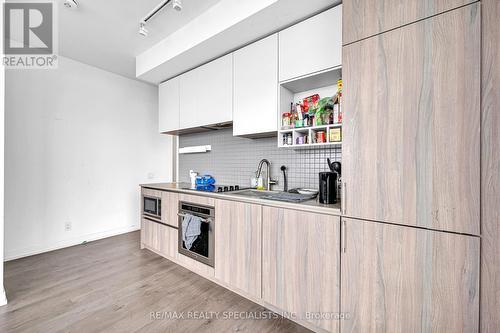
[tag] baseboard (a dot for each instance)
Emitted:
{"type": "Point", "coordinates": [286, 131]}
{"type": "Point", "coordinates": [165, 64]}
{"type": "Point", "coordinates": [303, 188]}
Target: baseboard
{"type": "Point", "coordinates": [3, 297]}
{"type": "Point", "coordinates": [26, 252]}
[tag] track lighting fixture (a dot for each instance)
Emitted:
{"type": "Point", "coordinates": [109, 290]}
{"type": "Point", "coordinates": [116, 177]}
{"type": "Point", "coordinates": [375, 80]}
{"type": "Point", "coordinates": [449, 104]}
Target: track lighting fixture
{"type": "Point", "coordinates": [176, 4]}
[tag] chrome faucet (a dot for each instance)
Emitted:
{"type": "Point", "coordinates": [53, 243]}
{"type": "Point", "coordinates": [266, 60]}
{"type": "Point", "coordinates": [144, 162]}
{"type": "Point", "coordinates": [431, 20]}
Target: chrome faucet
{"type": "Point", "coordinates": [268, 173]}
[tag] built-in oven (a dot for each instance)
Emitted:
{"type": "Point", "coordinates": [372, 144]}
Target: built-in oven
{"type": "Point", "coordinates": [151, 206]}
{"type": "Point", "coordinates": [202, 248]}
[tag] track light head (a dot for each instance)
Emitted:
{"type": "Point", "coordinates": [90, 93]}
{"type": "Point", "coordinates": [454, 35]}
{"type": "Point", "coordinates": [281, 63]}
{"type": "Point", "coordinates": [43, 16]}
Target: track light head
{"type": "Point", "coordinates": [70, 4]}
{"type": "Point", "coordinates": [142, 29]}
{"type": "Point", "coordinates": [177, 5]}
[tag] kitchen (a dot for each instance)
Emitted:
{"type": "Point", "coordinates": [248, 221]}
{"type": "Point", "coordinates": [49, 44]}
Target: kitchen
{"type": "Point", "coordinates": [331, 170]}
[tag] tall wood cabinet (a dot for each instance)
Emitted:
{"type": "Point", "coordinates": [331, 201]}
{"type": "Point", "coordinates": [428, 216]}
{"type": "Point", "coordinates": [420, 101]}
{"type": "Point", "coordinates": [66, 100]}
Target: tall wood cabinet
{"type": "Point", "coordinates": [301, 264]}
{"type": "Point", "coordinates": [238, 245]}
{"type": "Point", "coordinates": [369, 17]}
{"type": "Point", "coordinates": [490, 167]}
{"type": "Point", "coordinates": [411, 124]}
{"type": "Point", "coordinates": [403, 279]}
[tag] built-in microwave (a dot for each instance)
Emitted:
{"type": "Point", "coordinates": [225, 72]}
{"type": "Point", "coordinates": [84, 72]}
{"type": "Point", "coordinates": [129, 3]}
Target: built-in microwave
{"type": "Point", "coordinates": [151, 206]}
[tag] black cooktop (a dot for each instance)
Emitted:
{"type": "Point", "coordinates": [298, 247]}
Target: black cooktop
{"type": "Point", "coordinates": [215, 188]}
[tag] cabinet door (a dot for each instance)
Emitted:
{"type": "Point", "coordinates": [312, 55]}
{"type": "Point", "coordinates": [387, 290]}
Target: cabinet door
{"type": "Point", "coordinates": [256, 88]}
{"type": "Point", "coordinates": [364, 18]}
{"type": "Point", "coordinates": [159, 238]}
{"type": "Point", "coordinates": [404, 279]}
{"type": "Point", "coordinates": [238, 245]}
{"type": "Point", "coordinates": [411, 124]}
{"type": "Point", "coordinates": [189, 88]}
{"type": "Point", "coordinates": [170, 208]}
{"type": "Point", "coordinates": [169, 105]}
{"type": "Point", "coordinates": [312, 45]}
{"type": "Point", "coordinates": [490, 162]}
{"type": "Point", "coordinates": [301, 264]}
{"type": "Point", "coordinates": [206, 94]}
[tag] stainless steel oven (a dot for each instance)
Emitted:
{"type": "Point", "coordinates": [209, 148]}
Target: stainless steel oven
{"type": "Point", "coordinates": [202, 249]}
{"type": "Point", "coordinates": [151, 206]}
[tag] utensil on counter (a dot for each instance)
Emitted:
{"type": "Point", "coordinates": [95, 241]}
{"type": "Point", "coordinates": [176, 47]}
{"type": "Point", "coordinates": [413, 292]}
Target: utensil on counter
{"type": "Point", "coordinates": [285, 179]}
{"type": "Point", "coordinates": [334, 166]}
{"type": "Point", "coordinates": [307, 191]}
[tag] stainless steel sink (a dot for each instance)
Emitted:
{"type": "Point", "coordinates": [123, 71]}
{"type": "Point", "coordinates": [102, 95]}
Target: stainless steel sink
{"type": "Point", "coordinates": [254, 193]}
{"type": "Point", "coordinates": [273, 195]}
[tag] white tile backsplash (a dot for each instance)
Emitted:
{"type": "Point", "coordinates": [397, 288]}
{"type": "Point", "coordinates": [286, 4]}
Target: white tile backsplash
{"type": "Point", "coordinates": [233, 160]}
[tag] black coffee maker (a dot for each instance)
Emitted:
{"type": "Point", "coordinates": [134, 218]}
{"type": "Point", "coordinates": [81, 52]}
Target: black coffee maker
{"type": "Point", "coordinates": [328, 187]}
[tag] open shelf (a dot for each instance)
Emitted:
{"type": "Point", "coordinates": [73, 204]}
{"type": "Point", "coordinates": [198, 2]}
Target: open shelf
{"type": "Point", "coordinates": [325, 78]}
{"type": "Point", "coordinates": [314, 145]}
{"type": "Point", "coordinates": [310, 133]}
{"type": "Point", "coordinates": [323, 83]}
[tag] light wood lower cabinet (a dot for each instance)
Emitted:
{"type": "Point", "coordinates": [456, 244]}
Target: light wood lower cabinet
{"type": "Point", "coordinates": [196, 199]}
{"type": "Point", "coordinates": [169, 208]}
{"type": "Point", "coordinates": [403, 279]}
{"type": "Point", "coordinates": [159, 238]}
{"type": "Point", "coordinates": [380, 277]}
{"type": "Point", "coordinates": [301, 264]}
{"type": "Point", "coordinates": [238, 245]}
{"type": "Point", "coordinates": [195, 266]}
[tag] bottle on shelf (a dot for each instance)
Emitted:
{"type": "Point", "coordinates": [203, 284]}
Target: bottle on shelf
{"type": "Point", "coordinates": [339, 101]}
{"type": "Point", "coordinates": [285, 120]}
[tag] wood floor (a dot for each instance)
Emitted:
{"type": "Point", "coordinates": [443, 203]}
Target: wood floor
{"type": "Point", "coordinates": [111, 285]}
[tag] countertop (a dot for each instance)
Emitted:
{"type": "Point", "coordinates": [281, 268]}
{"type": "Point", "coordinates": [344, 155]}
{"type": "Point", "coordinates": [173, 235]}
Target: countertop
{"type": "Point", "coordinates": [309, 206]}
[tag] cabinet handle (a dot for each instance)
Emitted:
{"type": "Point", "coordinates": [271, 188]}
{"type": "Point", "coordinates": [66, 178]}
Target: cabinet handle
{"type": "Point", "coordinates": [343, 198]}
{"type": "Point", "coordinates": [344, 235]}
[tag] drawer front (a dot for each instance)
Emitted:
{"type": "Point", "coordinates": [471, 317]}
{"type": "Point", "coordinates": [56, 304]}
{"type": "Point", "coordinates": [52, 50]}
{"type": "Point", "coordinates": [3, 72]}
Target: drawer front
{"type": "Point", "coordinates": [196, 199]}
{"type": "Point", "coordinates": [160, 238]}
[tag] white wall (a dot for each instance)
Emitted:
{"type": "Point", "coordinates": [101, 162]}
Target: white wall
{"type": "Point", "coordinates": [79, 141]}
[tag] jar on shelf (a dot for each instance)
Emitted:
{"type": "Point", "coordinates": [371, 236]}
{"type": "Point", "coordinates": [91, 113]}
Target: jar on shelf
{"type": "Point", "coordinates": [286, 120]}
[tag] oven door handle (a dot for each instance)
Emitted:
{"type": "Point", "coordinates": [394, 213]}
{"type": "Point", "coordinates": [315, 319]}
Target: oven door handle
{"type": "Point", "coordinates": [201, 218]}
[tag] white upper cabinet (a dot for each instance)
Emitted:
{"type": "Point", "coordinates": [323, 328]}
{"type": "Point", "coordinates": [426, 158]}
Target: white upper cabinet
{"type": "Point", "coordinates": [206, 94]}
{"type": "Point", "coordinates": [168, 105]}
{"type": "Point", "coordinates": [256, 88]}
{"type": "Point", "coordinates": [312, 45]}
{"type": "Point", "coordinates": [242, 87]}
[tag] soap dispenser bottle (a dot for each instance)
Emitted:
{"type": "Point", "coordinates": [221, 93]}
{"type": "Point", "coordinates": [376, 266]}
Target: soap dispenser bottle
{"type": "Point", "coordinates": [192, 176]}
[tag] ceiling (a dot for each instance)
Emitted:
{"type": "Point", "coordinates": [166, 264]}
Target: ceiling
{"type": "Point", "coordinates": [105, 34]}
{"type": "Point", "coordinates": [226, 26]}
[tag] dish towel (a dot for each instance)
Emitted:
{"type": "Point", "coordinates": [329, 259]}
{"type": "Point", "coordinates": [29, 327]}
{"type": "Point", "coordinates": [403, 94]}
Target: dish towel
{"type": "Point", "coordinates": [191, 229]}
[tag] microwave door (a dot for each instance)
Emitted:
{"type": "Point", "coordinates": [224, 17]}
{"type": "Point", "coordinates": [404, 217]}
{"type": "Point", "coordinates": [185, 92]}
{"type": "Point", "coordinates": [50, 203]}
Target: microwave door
{"type": "Point", "coordinates": [151, 206]}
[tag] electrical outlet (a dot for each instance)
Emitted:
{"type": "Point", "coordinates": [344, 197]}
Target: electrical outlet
{"type": "Point", "coordinates": [67, 226]}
